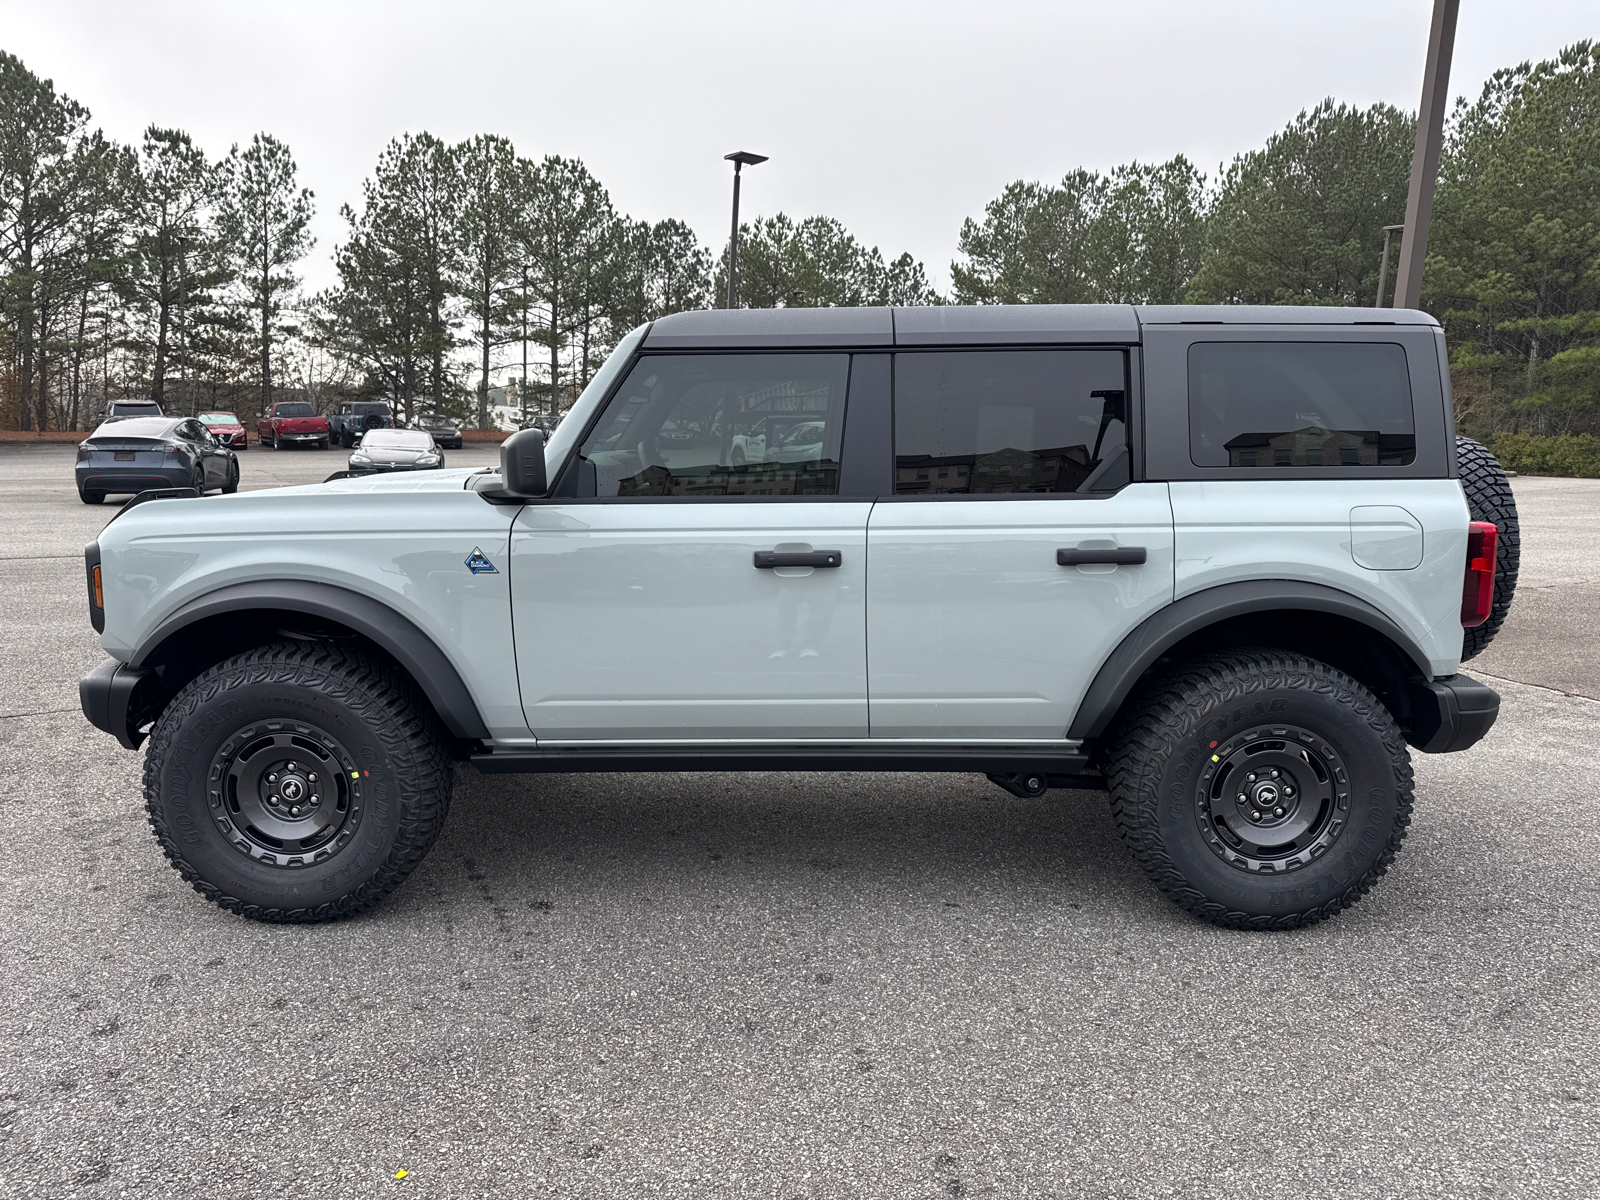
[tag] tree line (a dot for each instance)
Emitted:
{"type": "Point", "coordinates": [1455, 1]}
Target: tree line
{"type": "Point", "coordinates": [155, 270]}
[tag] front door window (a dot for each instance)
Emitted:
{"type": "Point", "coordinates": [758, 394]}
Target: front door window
{"type": "Point", "coordinates": [721, 425]}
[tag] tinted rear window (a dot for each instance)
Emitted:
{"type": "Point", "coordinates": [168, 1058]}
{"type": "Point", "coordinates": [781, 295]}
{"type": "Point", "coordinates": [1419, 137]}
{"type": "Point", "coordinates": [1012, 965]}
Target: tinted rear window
{"type": "Point", "coordinates": [134, 427]}
{"type": "Point", "coordinates": [1005, 421]}
{"type": "Point", "coordinates": [1300, 404]}
{"type": "Point", "coordinates": [293, 410]}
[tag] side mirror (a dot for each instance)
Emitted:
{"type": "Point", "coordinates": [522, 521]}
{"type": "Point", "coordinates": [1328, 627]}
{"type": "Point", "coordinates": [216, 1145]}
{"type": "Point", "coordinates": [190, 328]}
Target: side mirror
{"type": "Point", "coordinates": [522, 465]}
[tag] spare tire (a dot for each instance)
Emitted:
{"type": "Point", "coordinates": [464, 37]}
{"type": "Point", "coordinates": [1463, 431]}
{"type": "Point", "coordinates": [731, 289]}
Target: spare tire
{"type": "Point", "coordinates": [1489, 498]}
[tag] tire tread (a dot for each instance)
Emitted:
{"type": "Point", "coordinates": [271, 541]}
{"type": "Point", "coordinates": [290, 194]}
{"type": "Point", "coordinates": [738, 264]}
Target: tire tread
{"type": "Point", "coordinates": [380, 693]}
{"type": "Point", "coordinates": [1167, 713]}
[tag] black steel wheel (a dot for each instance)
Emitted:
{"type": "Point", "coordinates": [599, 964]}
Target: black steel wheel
{"type": "Point", "coordinates": [1272, 798]}
{"type": "Point", "coordinates": [301, 781]}
{"type": "Point", "coordinates": [1259, 789]}
{"type": "Point", "coordinates": [287, 794]}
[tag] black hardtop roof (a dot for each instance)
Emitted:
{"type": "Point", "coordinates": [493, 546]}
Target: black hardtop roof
{"type": "Point", "coordinates": [980, 324]}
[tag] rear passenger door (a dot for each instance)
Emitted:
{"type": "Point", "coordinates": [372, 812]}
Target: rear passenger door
{"type": "Point", "coordinates": [212, 459]}
{"type": "Point", "coordinates": [1016, 550]}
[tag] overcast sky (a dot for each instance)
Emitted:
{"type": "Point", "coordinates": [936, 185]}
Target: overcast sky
{"type": "Point", "coordinates": [900, 119]}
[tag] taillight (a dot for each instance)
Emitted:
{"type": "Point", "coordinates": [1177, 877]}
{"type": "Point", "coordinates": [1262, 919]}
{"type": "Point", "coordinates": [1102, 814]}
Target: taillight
{"type": "Point", "coordinates": [84, 447]}
{"type": "Point", "coordinates": [174, 447]}
{"type": "Point", "coordinates": [1477, 588]}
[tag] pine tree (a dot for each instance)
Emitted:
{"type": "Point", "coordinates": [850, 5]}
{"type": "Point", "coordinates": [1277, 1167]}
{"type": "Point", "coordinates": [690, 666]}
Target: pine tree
{"type": "Point", "coordinates": [491, 183]}
{"type": "Point", "coordinates": [264, 218]}
{"type": "Point", "coordinates": [177, 254]}
{"type": "Point", "coordinates": [39, 135]}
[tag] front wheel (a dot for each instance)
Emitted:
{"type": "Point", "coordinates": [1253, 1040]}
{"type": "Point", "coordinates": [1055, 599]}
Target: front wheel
{"type": "Point", "coordinates": [232, 485]}
{"type": "Point", "coordinates": [1261, 790]}
{"type": "Point", "coordinates": [297, 782]}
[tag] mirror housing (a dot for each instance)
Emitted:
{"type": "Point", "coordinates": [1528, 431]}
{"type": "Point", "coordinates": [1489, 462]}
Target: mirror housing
{"type": "Point", "coordinates": [522, 474]}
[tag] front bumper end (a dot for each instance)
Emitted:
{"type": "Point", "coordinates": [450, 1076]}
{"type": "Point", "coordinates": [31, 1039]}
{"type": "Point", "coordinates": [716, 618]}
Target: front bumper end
{"type": "Point", "coordinates": [121, 700]}
{"type": "Point", "coordinates": [1451, 714]}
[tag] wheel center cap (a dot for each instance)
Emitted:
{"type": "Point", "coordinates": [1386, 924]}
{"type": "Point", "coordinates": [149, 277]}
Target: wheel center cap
{"type": "Point", "coordinates": [292, 789]}
{"type": "Point", "coordinates": [1267, 794]}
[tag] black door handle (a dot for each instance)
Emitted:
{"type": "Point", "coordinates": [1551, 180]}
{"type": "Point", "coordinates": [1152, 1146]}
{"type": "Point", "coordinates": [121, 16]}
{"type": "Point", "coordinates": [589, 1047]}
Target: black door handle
{"type": "Point", "coordinates": [798, 558]}
{"type": "Point", "coordinates": [1122, 556]}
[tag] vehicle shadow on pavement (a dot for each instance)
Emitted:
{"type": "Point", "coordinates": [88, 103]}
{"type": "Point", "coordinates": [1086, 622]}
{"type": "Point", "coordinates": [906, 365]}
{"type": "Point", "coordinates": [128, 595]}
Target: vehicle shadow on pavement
{"type": "Point", "coordinates": [707, 838]}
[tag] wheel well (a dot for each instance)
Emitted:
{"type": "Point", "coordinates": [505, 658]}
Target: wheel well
{"type": "Point", "coordinates": [1357, 649]}
{"type": "Point", "coordinates": [188, 652]}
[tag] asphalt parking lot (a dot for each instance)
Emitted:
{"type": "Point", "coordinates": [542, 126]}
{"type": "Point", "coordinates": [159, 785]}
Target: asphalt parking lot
{"type": "Point", "coordinates": [760, 985]}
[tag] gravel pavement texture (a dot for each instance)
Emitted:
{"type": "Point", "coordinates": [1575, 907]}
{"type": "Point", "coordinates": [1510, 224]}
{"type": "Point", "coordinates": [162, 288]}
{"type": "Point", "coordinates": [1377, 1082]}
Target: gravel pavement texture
{"type": "Point", "coordinates": [826, 985]}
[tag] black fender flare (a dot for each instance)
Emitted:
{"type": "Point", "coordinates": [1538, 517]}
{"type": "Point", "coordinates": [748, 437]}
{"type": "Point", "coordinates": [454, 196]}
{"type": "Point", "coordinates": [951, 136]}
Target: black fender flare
{"type": "Point", "coordinates": [396, 635]}
{"type": "Point", "coordinates": [1162, 630]}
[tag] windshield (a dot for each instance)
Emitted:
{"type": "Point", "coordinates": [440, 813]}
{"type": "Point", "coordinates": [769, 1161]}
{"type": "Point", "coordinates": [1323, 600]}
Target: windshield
{"type": "Point", "coordinates": [293, 410]}
{"type": "Point", "coordinates": [219, 418]}
{"type": "Point", "coordinates": [396, 439]}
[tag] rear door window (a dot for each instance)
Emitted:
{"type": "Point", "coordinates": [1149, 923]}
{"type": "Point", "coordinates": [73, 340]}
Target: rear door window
{"type": "Point", "coordinates": [1279, 406]}
{"type": "Point", "coordinates": [720, 425]}
{"type": "Point", "coordinates": [987, 422]}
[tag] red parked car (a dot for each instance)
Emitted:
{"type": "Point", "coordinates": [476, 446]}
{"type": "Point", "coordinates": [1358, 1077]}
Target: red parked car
{"type": "Point", "coordinates": [292, 422]}
{"type": "Point", "coordinates": [225, 427]}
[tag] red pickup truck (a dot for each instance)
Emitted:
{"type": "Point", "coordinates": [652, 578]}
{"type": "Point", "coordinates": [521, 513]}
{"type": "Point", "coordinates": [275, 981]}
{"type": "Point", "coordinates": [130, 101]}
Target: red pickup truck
{"type": "Point", "coordinates": [292, 422]}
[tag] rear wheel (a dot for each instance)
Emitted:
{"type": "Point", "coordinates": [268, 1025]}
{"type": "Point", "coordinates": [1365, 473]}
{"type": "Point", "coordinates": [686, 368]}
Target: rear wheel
{"type": "Point", "coordinates": [89, 497]}
{"type": "Point", "coordinates": [1489, 498]}
{"type": "Point", "coordinates": [297, 782]}
{"type": "Point", "coordinates": [1261, 790]}
{"type": "Point", "coordinates": [198, 482]}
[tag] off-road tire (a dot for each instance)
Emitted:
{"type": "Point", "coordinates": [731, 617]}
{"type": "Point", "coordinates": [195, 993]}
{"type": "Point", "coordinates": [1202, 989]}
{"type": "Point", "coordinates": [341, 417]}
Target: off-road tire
{"type": "Point", "coordinates": [1157, 762]}
{"type": "Point", "coordinates": [1489, 498]}
{"type": "Point", "coordinates": [91, 497]}
{"type": "Point", "coordinates": [384, 726]}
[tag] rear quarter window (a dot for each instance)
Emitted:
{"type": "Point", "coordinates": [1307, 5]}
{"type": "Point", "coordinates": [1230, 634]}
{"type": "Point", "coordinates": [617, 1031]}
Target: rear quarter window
{"type": "Point", "coordinates": [1278, 406]}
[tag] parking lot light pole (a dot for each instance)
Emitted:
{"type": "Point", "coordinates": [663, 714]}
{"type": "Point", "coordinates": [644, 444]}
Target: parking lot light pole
{"type": "Point", "coordinates": [739, 159]}
{"type": "Point", "coordinates": [1425, 159]}
{"type": "Point", "coordinates": [1383, 271]}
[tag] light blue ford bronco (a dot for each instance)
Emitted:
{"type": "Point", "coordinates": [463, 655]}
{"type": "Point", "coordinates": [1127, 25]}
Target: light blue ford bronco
{"type": "Point", "coordinates": [1221, 562]}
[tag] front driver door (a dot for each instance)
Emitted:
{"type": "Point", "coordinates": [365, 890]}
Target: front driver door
{"type": "Point", "coordinates": [683, 594]}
